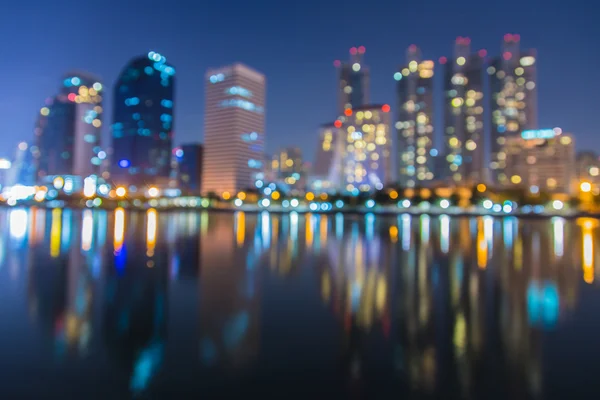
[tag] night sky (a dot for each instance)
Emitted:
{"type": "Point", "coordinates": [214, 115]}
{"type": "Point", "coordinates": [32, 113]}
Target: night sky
{"type": "Point", "coordinates": [294, 44]}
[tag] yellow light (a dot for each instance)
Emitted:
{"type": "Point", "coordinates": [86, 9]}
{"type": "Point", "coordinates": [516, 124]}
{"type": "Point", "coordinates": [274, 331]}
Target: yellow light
{"type": "Point", "coordinates": [368, 114]}
{"type": "Point", "coordinates": [405, 71]}
{"type": "Point", "coordinates": [588, 251]}
{"type": "Point", "coordinates": [153, 192]}
{"type": "Point", "coordinates": [45, 111]}
{"type": "Point", "coordinates": [481, 188]}
{"type": "Point", "coordinates": [151, 232]}
{"type": "Point", "coordinates": [275, 164]}
{"type": "Point", "coordinates": [121, 191]}
{"type": "Point", "coordinates": [240, 228]}
{"type": "Point", "coordinates": [594, 171]}
{"type": "Point", "coordinates": [457, 102]}
{"type": "Point", "coordinates": [55, 233]}
{"type": "Point", "coordinates": [310, 196]}
{"type": "Point", "coordinates": [565, 140]}
{"type": "Point", "coordinates": [453, 142]}
{"type": "Point", "coordinates": [516, 179]}
{"type": "Point", "coordinates": [58, 182]}
{"type": "Point", "coordinates": [119, 232]}
{"type": "Point", "coordinates": [275, 195]}
{"type": "Point", "coordinates": [83, 90]}
{"type": "Point", "coordinates": [461, 61]}
{"type": "Point", "coordinates": [412, 66]}
{"type": "Point", "coordinates": [585, 187]}
{"type": "Point", "coordinates": [393, 195]}
{"type": "Point", "coordinates": [226, 195]}
{"type": "Point", "coordinates": [289, 162]}
{"type": "Point", "coordinates": [97, 123]}
{"type": "Point", "coordinates": [393, 234]}
{"type": "Point", "coordinates": [470, 145]}
{"type": "Point", "coordinates": [241, 196]}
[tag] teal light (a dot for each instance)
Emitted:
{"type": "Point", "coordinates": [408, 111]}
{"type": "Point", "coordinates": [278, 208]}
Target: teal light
{"type": "Point", "coordinates": [397, 76]}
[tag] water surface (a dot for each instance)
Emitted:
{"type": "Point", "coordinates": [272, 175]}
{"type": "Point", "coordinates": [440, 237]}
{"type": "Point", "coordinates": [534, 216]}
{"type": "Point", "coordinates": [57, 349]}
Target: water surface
{"type": "Point", "coordinates": [118, 305]}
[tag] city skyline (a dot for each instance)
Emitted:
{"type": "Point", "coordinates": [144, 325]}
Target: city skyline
{"type": "Point", "coordinates": [311, 65]}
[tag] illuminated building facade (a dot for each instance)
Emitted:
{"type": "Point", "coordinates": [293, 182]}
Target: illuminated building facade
{"type": "Point", "coordinates": [353, 80]}
{"type": "Point", "coordinates": [366, 164]}
{"type": "Point", "coordinates": [326, 171]}
{"type": "Point", "coordinates": [142, 129]}
{"type": "Point", "coordinates": [415, 120]}
{"type": "Point", "coordinates": [588, 168]}
{"type": "Point", "coordinates": [68, 130]}
{"type": "Point", "coordinates": [463, 98]}
{"type": "Point", "coordinates": [513, 101]}
{"type": "Point", "coordinates": [288, 168]}
{"type": "Point", "coordinates": [234, 127]}
{"type": "Point", "coordinates": [541, 160]}
{"type": "Point", "coordinates": [189, 167]}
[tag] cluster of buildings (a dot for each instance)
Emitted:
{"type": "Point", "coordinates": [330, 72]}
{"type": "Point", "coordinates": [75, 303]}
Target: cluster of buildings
{"type": "Point", "coordinates": [366, 147]}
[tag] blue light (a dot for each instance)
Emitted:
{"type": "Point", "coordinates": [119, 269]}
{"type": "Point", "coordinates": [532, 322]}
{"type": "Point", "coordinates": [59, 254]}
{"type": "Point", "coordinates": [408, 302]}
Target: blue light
{"type": "Point", "coordinates": [179, 153]}
{"type": "Point", "coordinates": [501, 128]}
{"type": "Point", "coordinates": [166, 118]}
{"type": "Point", "coordinates": [339, 204]}
{"type": "Point", "coordinates": [296, 175]}
{"type": "Point", "coordinates": [538, 134]}
{"type": "Point", "coordinates": [370, 203]}
{"type": "Point", "coordinates": [124, 163]}
{"type": "Point", "coordinates": [243, 104]}
{"type": "Point", "coordinates": [238, 90]}
{"type": "Point", "coordinates": [267, 191]}
{"type": "Point", "coordinates": [253, 136]}
{"type": "Point", "coordinates": [398, 76]}
{"type": "Point", "coordinates": [166, 103]}
{"type": "Point", "coordinates": [136, 116]}
{"type": "Point", "coordinates": [258, 184]}
{"type": "Point", "coordinates": [132, 101]}
{"type": "Point", "coordinates": [433, 153]}
{"type": "Point", "coordinates": [67, 82]}
{"type": "Point", "coordinates": [75, 81]}
{"type": "Point", "coordinates": [217, 78]}
{"type": "Point", "coordinates": [254, 163]}
{"type": "Point", "coordinates": [149, 70]}
{"type": "Point", "coordinates": [457, 159]}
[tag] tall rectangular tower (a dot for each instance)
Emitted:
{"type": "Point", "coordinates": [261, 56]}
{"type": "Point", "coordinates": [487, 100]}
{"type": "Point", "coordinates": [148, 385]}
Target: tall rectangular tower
{"type": "Point", "coordinates": [353, 81]}
{"type": "Point", "coordinates": [415, 120]}
{"type": "Point", "coordinates": [234, 125]}
{"type": "Point", "coordinates": [513, 101]}
{"type": "Point", "coordinates": [463, 117]}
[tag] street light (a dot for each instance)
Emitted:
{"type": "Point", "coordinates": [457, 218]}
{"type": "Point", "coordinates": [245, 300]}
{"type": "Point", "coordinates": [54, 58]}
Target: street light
{"type": "Point", "coordinates": [121, 191]}
{"type": "Point", "coordinates": [152, 192]}
{"type": "Point", "coordinates": [585, 187]}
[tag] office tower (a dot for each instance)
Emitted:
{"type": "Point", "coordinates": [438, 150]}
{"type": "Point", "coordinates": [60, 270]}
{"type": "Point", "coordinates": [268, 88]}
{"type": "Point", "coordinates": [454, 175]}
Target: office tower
{"type": "Point", "coordinates": [325, 174]}
{"type": "Point", "coordinates": [463, 131]}
{"type": "Point", "coordinates": [588, 168]}
{"type": "Point", "coordinates": [68, 129]}
{"type": "Point", "coordinates": [142, 129]}
{"type": "Point", "coordinates": [288, 168]}
{"type": "Point", "coordinates": [234, 124]}
{"type": "Point", "coordinates": [23, 169]}
{"type": "Point", "coordinates": [366, 164]}
{"type": "Point", "coordinates": [513, 101]}
{"type": "Point", "coordinates": [541, 160]}
{"type": "Point", "coordinates": [189, 167]}
{"type": "Point", "coordinates": [353, 81]}
{"type": "Point", "coordinates": [415, 120]}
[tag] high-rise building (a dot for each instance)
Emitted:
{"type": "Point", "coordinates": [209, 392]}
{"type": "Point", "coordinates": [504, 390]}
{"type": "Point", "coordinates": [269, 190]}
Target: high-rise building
{"type": "Point", "coordinates": [366, 163]}
{"type": "Point", "coordinates": [463, 130]}
{"type": "Point", "coordinates": [353, 80]}
{"type": "Point", "coordinates": [68, 129]}
{"type": "Point", "coordinates": [142, 129]}
{"type": "Point", "coordinates": [513, 101]}
{"type": "Point", "coordinates": [415, 120]}
{"type": "Point", "coordinates": [189, 167]}
{"type": "Point", "coordinates": [234, 125]}
{"type": "Point", "coordinates": [541, 160]}
{"type": "Point", "coordinates": [588, 168]}
{"type": "Point", "coordinates": [326, 173]}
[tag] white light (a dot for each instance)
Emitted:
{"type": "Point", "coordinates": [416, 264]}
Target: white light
{"type": "Point", "coordinates": [4, 163]}
{"type": "Point", "coordinates": [313, 206]}
{"type": "Point", "coordinates": [534, 189]}
{"type": "Point", "coordinates": [103, 189]}
{"type": "Point", "coordinates": [497, 208]}
{"type": "Point", "coordinates": [294, 202]}
{"type": "Point", "coordinates": [265, 202]}
{"type": "Point", "coordinates": [507, 208]}
{"type": "Point", "coordinates": [267, 191]}
{"type": "Point", "coordinates": [487, 204]}
{"type": "Point", "coordinates": [18, 224]}
{"type": "Point", "coordinates": [557, 204]}
{"type": "Point", "coordinates": [405, 203]}
{"type": "Point", "coordinates": [370, 203]}
{"type": "Point", "coordinates": [153, 192]}
{"type": "Point", "coordinates": [238, 202]}
{"type": "Point", "coordinates": [444, 204]}
{"type": "Point", "coordinates": [356, 67]}
{"type": "Point", "coordinates": [89, 186]}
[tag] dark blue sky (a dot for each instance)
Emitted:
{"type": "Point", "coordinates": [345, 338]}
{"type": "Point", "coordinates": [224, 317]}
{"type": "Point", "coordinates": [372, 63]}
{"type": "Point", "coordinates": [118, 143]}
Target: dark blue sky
{"type": "Point", "coordinates": [294, 45]}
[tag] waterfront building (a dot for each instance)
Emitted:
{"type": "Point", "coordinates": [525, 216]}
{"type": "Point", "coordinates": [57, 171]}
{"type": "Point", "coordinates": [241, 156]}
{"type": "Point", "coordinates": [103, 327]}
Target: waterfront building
{"type": "Point", "coordinates": [415, 127]}
{"type": "Point", "coordinates": [142, 128]}
{"type": "Point", "coordinates": [513, 101]}
{"type": "Point", "coordinates": [189, 167]}
{"type": "Point", "coordinates": [234, 126]}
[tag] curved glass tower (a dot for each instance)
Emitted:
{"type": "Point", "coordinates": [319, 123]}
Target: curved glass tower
{"type": "Point", "coordinates": [142, 128]}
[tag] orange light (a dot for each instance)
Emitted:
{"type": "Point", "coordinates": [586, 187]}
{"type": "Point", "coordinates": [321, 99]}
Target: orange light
{"type": "Point", "coordinates": [481, 188]}
{"type": "Point", "coordinates": [310, 196]}
{"type": "Point", "coordinates": [393, 195]}
{"type": "Point", "coordinates": [348, 112]}
{"type": "Point", "coordinates": [337, 123]}
{"type": "Point", "coordinates": [385, 108]}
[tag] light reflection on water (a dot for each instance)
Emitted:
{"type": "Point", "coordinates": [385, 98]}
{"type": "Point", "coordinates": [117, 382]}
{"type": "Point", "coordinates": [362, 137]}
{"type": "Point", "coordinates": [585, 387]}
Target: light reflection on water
{"type": "Point", "coordinates": [155, 302]}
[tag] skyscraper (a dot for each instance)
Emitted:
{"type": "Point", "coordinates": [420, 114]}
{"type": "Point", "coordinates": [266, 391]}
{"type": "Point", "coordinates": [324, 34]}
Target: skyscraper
{"type": "Point", "coordinates": [353, 81]}
{"type": "Point", "coordinates": [288, 168]}
{"type": "Point", "coordinates": [366, 164]}
{"type": "Point", "coordinates": [513, 101]}
{"type": "Point", "coordinates": [463, 97]}
{"type": "Point", "coordinates": [68, 129]}
{"type": "Point", "coordinates": [326, 171]}
{"type": "Point", "coordinates": [142, 129]}
{"type": "Point", "coordinates": [234, 124]}
{"type": "Point", "coordinates": [415, 120]}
